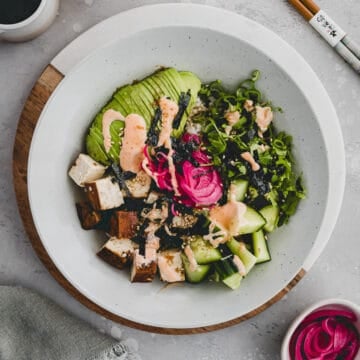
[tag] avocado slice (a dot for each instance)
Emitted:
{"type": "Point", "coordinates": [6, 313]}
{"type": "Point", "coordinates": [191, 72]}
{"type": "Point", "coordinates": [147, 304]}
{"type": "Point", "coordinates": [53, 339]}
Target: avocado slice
{"type": "Point", "coordinates": [95, 140]}
{"type": "Point", "coordinates": [172, 81]}
{"type": "Point", "coordinates": [175, 82]}
{"type": "Point", "coordinates": [137, 104]}
{"type": "Point", "coordinates": [140, 98]}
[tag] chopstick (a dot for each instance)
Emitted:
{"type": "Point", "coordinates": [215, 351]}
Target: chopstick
{"type": "Point", "coordinates": [311, 6]}
{"type": "Point", "coordinates": [330, 31]}
{"type": "Point", "coordinates": [302, 9]}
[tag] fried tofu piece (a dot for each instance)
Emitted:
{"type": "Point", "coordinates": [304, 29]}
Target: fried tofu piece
{"type": "Point", "coordinates": [139, 186]}
{"type": "Point", "coordinates": [104, 194]}
{"type": "Point", "coordinates": [144, 268]}
{"type": "Point", "coordinates": [89, 218]}
{"type": "Point", "coordinates": [118, 252]}
{"type": "Point", "coordinates": [171, 266]}
{"type": "Point", "coordinates": [123, 224]}
{"type": "Point", "coordinates": [86, 170]}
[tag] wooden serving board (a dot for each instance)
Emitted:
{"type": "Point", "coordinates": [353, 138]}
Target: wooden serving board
{"type": "Point", "coordinates": [43, 88]}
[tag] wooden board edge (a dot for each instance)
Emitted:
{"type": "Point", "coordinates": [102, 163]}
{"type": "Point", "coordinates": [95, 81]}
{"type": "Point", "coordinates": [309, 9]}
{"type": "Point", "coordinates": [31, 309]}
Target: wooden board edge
{"type": "Point", "coordinates": [35, 103]}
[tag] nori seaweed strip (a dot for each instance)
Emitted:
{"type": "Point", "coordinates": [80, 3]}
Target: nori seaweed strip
{"type": "Point", "coordinates": [259, 202]}
{"type": "Point", "coordinates": [139, 238]}
{"type": "Point", "coordinates": [183, 151]}
{"type": "Point", "coordinates": [134, 204]}
{"type": "Point", "coordinates": [258, 178]}
{"type": "Point", "coordinates": [184, 100]}
{"type": "Point", "coordinates": [168, 241]}
{"type": "Point", "coordinates": [122, 176]}
{"type": "Point", "coordinates": [152, 135]}
{"type": "Point", "coordinates": [225, 251]}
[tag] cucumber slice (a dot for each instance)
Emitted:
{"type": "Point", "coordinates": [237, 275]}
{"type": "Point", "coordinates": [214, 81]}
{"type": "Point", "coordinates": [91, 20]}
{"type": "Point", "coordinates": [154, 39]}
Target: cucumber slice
{"type": "Point", "coordinates": [203, 251]}
{"type": "Point", "coordinates": [229, 275]}
{"type": "Point", "coordinates": [238, 189]}
{"type": "Point", "coordinates": [236, 218]}
{"type": "Point", "coordinates": [239, 248]}
{"type": "Point", "coordinates": [254, 222]}
{"type": "Point", "coordinates": [260, 246]}
{"type": "Point", "coordinates": [271, 215]}
{"type": "Point", "coordinates": [197, 275]}
{"type": "Point", "coordinates": [233, 281]}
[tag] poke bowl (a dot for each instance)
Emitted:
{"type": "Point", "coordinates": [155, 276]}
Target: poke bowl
{"type": "Point", "coordinates": [228, 49]}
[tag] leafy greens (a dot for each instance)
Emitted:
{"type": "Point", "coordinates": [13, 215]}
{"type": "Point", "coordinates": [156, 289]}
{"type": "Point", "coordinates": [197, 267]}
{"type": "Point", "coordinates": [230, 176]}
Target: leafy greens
{"type": "Point", "coordinates": [276, 182]}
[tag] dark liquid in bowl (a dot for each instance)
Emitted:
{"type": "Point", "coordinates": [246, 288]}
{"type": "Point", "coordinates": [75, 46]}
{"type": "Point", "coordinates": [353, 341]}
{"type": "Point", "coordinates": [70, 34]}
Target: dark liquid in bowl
{"type": "Point", "coordinates": [14, 11]}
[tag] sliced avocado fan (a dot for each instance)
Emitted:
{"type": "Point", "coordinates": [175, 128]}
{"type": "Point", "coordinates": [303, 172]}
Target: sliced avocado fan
{"type": "Point", "coordinates": [140, 98]}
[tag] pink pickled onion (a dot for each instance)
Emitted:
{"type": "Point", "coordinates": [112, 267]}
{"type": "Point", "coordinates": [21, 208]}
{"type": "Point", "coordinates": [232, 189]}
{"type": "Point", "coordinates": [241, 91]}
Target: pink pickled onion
{"type": "Point", "coordinates": [173, 210]}
{"type": "Point", "coordinates": [327, 334]}
{"type": "Point", "coordinates": [191, 137]}
{"type": "Point", "coordinates": [198, 185]}
{"type": "Point", "coordinates": [159, 171]}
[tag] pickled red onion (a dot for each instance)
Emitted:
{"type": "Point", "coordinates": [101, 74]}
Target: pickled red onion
{"type": "Point", "coordinates": [324, 335]}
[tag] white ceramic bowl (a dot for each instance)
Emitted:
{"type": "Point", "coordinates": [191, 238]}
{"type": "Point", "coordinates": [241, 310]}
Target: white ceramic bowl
{"type": "Point", "coordinates": [340, 304]}
{"type": "Point", "coordinates": [215, 44]}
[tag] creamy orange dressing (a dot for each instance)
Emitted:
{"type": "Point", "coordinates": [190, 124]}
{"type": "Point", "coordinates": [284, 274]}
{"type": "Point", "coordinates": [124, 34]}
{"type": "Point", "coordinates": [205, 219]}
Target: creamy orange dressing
{"type": "Point", "coordinates": [240, 265]}
{"type": "Point", "coordinates": [133, 143]}
{"type": "Point", "coordinates": [108, 118]}
{"type": "Point", "coordinates": [216, 238]}
{"type": "Point", "coordinates": [249, 158]}
{"type": "Point", "coordinates": [172, 171]}
{"type": "Point", "coordinates": [232, 192]}
{"type": "Point", "coordinates": [191, 257]}
{"type": "Point", "coordinates": [232, 117]}
{"type": "Point", "coordinates": [249, 105]}
{"type": "Point", "coordinates": [264, 117]}
{"type": "Point", "coordinates": [145, 167]}
{"type": "Point", "coordinates": [229, 217]}
{"type": "Point", "coordinates": [169, 109]}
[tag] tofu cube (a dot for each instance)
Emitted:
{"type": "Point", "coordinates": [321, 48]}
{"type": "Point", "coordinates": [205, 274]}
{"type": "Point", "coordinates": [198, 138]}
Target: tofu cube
{"type": "Point", "coordinates": [139, 186]}
{"type": "Point", "coordinates": [89, 218]}
{"type": "Point", "coordinates": [170, 266]}
{"type": "Point", "coordinates": [143, 269]}
{"type": "Point", "coordinates": [123, 224]}
{"type": "Point", "coordinates": [86, 170]}
{"type": "Point", "coordinates": [104, 194]}
{"type": "Point", "coordinates": [118, 252]}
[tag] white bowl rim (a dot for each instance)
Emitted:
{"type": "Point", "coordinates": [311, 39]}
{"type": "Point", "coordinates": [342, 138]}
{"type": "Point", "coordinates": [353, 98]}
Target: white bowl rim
{"type": "Point", "coordinates": [296, 322]}
{"type": "Point", "coordinates": [69, 60]}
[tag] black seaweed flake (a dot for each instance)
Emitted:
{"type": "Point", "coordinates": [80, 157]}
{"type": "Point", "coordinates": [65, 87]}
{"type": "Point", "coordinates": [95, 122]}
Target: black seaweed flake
{"type": "Point", "coordinates": [168, 241]}
{"type": "Point", "coordinates": [184, 100]}
{"type": "Point", "coordinates": [183, 151]}
{"type": "Point", "coordinates": [153, 135]}
{"type": "Point", "coordinates": [258, 180]}
{"type": "Point", "coordinates": [121, 177]}
{"type": "Point", "coordinates": [140, 238]}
